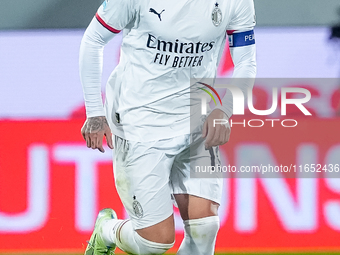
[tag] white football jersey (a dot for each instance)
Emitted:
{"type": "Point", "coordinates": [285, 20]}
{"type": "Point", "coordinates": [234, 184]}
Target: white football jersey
{"type": "Point", "coordinates": [165, 43]}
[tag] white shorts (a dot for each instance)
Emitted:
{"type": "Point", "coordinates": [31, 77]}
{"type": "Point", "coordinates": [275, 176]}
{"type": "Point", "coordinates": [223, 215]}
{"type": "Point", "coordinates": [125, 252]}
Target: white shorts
{"type": "Point", "coordinates": [148, 173]}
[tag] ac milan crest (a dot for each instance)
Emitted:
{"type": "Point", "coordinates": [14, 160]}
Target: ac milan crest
{"type": "Point", "coordinates": [137, 208]}
{"type": "Point", "coordinates": [216, 15]}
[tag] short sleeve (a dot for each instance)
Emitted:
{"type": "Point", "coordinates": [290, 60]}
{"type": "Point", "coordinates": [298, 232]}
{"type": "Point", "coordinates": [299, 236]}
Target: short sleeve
{"type": "Point", "coordinates": [243, 17]}
{"type": "Point", "coordinates": [115, 15]}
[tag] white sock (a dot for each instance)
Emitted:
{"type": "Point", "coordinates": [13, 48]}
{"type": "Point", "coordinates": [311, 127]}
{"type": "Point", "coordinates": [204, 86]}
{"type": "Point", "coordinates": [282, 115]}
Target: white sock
{"type": "Point", "coordinates": [108, 231]}
{"type": "Point", "coordinates": [121, 233]}
{"type": "Point", "coordinates": [200, 236]}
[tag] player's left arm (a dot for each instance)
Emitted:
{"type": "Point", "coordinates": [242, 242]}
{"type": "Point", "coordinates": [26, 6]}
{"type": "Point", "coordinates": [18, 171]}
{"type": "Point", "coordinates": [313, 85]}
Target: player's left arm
{"type": "Point", "coordinates": [243, 52]}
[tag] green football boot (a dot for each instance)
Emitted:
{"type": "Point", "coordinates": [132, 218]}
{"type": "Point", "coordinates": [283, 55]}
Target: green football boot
{"type": "Point", "coordinates": [96, 244]}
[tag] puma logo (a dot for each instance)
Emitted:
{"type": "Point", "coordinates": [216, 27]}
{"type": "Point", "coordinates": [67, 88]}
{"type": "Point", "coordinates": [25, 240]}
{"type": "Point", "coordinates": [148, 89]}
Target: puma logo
{"type": "Point", "coordinates": [158, 14]}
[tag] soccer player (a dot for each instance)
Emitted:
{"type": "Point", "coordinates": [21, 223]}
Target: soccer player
{"type": "Point", "coordinates": [147, 107]}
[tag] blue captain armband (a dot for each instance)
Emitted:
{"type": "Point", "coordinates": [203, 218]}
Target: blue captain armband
{"type": "Point", "coordinates": [241, 39]}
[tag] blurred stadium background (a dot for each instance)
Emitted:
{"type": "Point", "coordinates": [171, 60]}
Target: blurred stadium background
{"type": "Point", "coordinates": [51, 186]}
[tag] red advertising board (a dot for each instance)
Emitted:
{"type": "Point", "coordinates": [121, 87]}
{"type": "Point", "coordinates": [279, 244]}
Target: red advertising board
{"type": "Point", "coordinates": [52, 187]}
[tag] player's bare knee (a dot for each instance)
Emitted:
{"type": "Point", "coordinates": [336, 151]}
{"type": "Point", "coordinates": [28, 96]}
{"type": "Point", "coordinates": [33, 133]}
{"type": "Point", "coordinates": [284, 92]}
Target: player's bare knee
{"type": "Point", "coordinates": [158, 234]}
{"type": "Point", "coordinates": [130, 241]}
{"type": "Point", "coordinates": [168, 238]}
{"type": "Point", "coordinates": [162, 232]}
{"type": "Point", "coordinates": [149, 247]}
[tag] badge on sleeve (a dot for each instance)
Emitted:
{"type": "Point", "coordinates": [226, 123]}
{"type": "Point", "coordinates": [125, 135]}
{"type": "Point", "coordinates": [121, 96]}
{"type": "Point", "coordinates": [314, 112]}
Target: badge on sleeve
{"type": "Point", "coordinates": [105, 3]}
{"type": "Point", "coordinates": [216, 15]}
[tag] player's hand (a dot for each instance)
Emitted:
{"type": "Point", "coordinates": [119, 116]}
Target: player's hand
{"type": "Point", "coordinates": [93, 132]}
{"type": "Point", "coordinates": [217, 135]}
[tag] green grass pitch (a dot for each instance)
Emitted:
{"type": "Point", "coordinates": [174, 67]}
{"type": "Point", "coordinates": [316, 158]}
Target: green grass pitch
{"type": "Point", "coordinates": [241, 253]}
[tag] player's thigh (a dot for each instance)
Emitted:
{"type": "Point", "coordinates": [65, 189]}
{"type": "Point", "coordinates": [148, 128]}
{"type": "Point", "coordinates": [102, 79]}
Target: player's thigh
{"type": "Point", "coordinates": [196, 196]}
{"type": "Point", "coordinates": [194, 207]}
{"type": "Point", "coordinates": [142, 180]}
